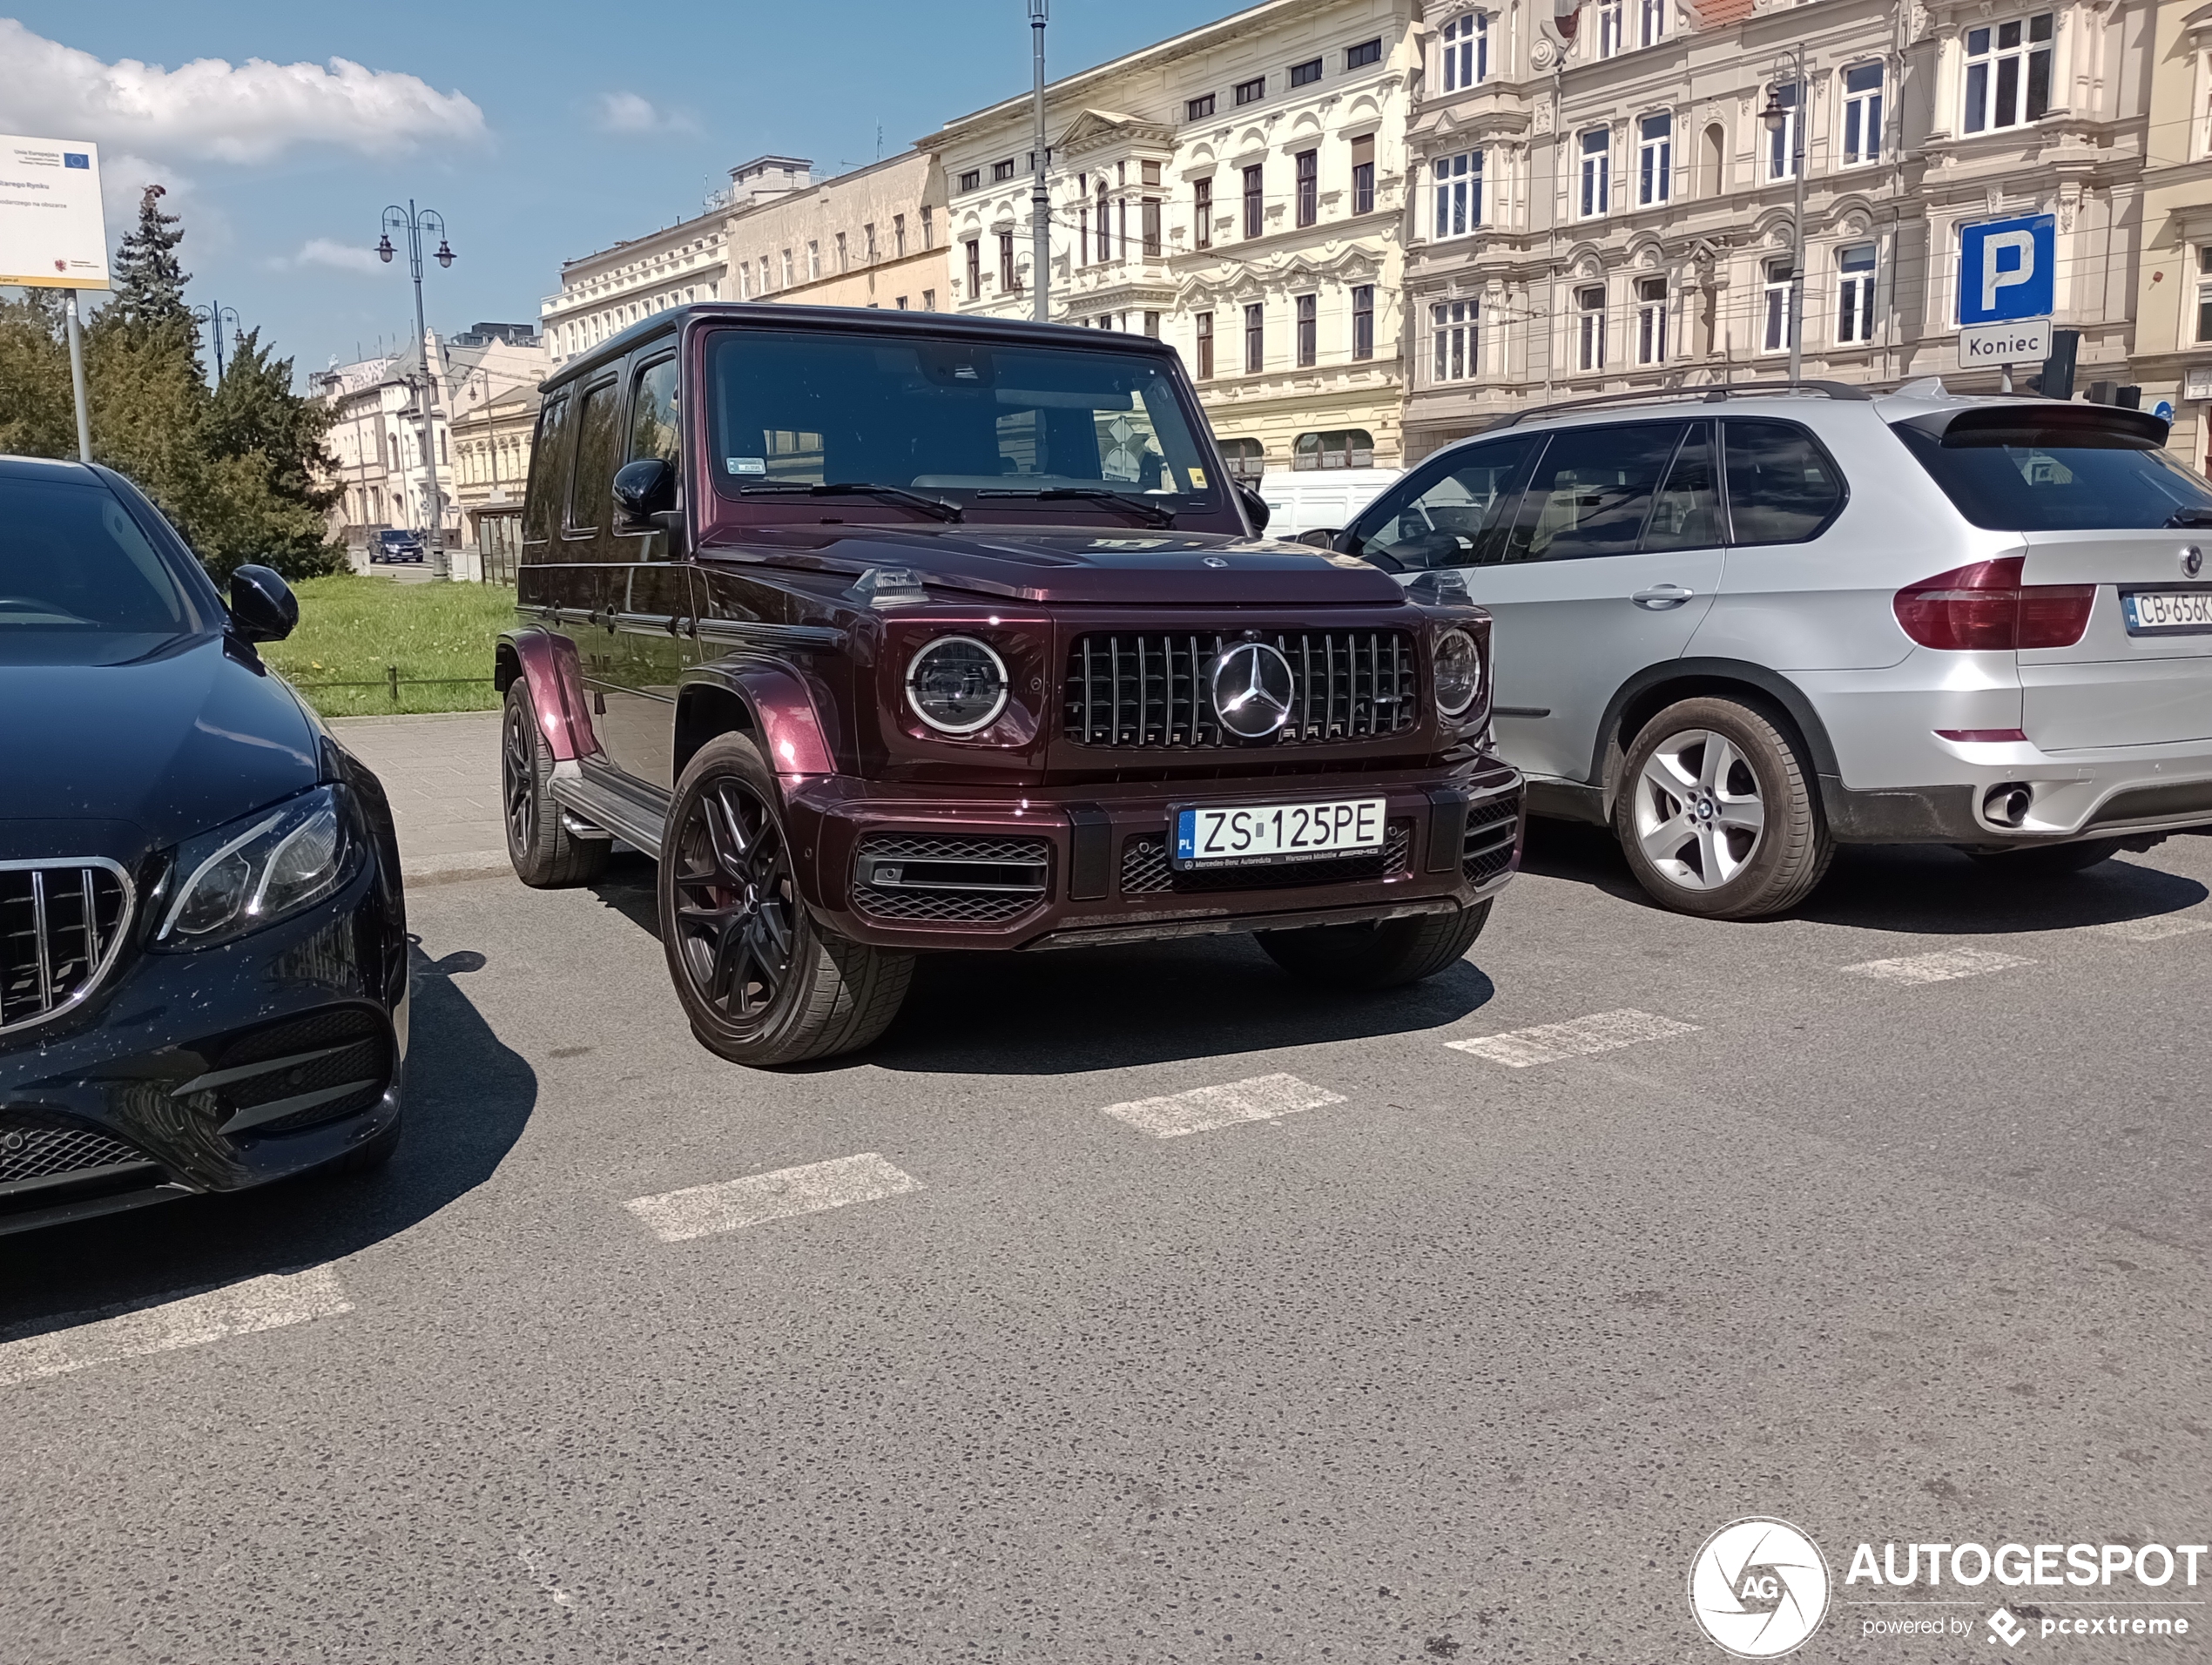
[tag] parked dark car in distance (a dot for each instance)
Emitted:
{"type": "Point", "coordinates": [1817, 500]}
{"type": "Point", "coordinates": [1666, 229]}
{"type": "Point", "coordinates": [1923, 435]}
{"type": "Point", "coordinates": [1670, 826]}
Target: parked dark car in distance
{"type": "Point", "coordinates": [886, 633]}
{"type": "Point", "coordinates": [203, 940]}
{"type": "Point", "coordinates": [397, 546]}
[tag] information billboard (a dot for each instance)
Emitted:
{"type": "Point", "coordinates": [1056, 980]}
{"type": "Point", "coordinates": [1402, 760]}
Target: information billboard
{"type": "Point", "coordinates": [52, 234]}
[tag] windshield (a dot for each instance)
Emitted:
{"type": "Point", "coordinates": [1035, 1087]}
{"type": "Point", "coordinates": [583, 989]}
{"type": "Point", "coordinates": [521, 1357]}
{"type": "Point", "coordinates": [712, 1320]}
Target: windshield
{"type": "Point", "coordinates": [72, 559]}
{"type": "Point", "coordinates": [964, 422]}
{"type": "Point", "coordinates": [2034, 477]}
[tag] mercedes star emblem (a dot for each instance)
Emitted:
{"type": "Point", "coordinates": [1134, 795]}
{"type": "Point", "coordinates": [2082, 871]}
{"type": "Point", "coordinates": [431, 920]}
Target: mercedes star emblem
{"type": "Point", "coordinates": [1252, 690]}
{"type": "Point", "coordinates": [2192, 562]}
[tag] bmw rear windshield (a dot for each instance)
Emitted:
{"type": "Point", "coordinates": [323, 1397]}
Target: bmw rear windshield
{"type": "Point", "coordinates": [2071, 468]}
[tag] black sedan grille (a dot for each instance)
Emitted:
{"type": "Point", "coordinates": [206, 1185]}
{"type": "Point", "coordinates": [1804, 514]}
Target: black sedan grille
{"type": "Point", "coordinates": [911, 878]}
{"type": "Point", "coordinates": [35, 1144]}
{"type": "Point", "coordinates": [1152, 689]}
{"type": "Point", "coordinates": [1492, 829]}
{"type": "Point", "coordinates": [61, 923]}
{"type": "Point", "coordinates": [297, 1073]}
{"type": "Point", "coordinates": [1145, 871]}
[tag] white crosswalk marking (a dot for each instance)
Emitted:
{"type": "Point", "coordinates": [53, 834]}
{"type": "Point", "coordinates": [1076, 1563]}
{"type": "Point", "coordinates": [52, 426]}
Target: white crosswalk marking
{"type": "Point", "coordinates": [268, 1302]}
{"type": "Point", "coordinates": [1261, 1099]}
{"type": "Point", "coordinates": [704, 1211]}
{"type": "Point", "coordinates": [1549, 1042]}
{"type": "Point", "coordinates": [2155, 928]}
{"type": "Point", "coordinates": [1938, 967]}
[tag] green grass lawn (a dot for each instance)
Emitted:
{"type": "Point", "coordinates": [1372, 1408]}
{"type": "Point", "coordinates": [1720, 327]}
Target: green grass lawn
{"type": "Point", "coordinates": [353, 629]}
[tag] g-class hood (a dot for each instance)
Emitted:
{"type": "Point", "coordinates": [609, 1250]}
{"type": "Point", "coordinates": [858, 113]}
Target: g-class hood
{"type": "Point", "coordinates": [1132, 566]}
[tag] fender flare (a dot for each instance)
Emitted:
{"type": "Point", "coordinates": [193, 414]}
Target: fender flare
{"type": "Point", "coordinates": [547, 661]}
{"type": "Point", "coordinates": [783, 714]}
{"type": "Point", "coordinates": [1611, 746]}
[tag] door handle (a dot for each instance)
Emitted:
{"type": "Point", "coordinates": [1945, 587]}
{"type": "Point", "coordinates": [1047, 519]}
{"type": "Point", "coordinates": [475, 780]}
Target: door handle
{"type": "Point", "coordinates": [1660, 598]}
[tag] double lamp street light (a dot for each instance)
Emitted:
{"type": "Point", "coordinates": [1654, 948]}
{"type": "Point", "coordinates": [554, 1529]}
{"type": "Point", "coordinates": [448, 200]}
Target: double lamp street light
{"type": "Point", "coordinates": [417, 224]}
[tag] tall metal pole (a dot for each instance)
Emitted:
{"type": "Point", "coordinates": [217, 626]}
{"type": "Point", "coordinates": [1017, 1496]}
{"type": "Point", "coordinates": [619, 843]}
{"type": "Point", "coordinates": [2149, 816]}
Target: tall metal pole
{"type": "Point", "coordinates": [76, 331]}
{"type": "Point", "coordinates": [414, 222]}
{"type": "Point", "coordinates": [1799, 113]}
{"type": "Point", "coordinates": [1040, 195]}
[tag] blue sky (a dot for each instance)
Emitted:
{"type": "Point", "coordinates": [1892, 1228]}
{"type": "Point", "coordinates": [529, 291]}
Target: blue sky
{"type": "Point", "coordinates": [541, 131]}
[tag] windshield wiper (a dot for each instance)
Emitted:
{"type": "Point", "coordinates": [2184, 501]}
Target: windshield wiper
{"type": "Point", "coordinates": [936, 508]}
{"type": "Point", "coordinates": [1152, 512]}
{"type": "Point", "coordinates": [2190, 517]}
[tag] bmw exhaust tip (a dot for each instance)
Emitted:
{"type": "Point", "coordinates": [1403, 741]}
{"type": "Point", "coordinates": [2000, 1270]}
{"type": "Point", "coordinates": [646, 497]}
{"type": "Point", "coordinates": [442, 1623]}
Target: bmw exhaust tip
{"type": "Point", "coordinates": [2006, 805]}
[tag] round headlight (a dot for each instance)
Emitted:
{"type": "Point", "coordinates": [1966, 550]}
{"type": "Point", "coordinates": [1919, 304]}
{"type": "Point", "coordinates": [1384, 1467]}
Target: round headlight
{"type": "Point", "coordinates": [1458, 672]}
{"type": "Point", "coordinates": [957, 684]}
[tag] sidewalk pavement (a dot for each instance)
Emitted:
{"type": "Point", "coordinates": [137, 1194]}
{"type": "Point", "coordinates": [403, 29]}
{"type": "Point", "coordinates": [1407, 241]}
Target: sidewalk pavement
{"type": "Point", "coordinates": [442, 772]}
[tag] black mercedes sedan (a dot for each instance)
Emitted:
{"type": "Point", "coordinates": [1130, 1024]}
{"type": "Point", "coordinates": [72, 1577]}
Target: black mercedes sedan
{"type": "Point", "coordinates": [203, 940]}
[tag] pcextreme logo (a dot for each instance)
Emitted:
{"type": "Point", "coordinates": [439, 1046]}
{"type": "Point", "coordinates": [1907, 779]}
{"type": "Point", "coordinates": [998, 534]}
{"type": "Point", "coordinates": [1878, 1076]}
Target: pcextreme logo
{"type": "Point", "coordinates": [1758, 1587]}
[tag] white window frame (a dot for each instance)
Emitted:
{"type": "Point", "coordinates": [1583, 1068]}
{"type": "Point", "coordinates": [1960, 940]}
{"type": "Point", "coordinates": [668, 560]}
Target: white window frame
{"type": "Point", "coordinates": [1774, 308]}
{"type": "Point", "coordinates": [1466, 51]}
{"type": "Point", "coordinates": [1455, 333]}
{"type": "Point", "coordinates": [1594, 178]}
{"type": "Point", "coordinates": [1655, 160]}
{"type": "Point", "coordinates": [2204, 293]}
{"type": "Point", "coordinates": [1782, 144]}
{"type": "Point", "coordinates": [1651, 18]}
{"type": "Point", "coordinates": [1589, 328]}
{"type": "Point", "coordinates": [1856, 266]}
{"type": "Point", "coordinates": [1611, 27]}
{"type": "Point", "coordinates": [1979, 114]}
{"type": "Point", "coordinates": [1459, 194]}
{"type": "Point", "coordinates": [1862, 115]}
{"type": "Point", "coordinates": [1651, 320]}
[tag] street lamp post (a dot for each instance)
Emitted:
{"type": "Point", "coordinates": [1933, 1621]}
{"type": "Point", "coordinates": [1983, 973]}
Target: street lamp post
{"type": "Point", "coordinates": [215, 316]}
{"type": "Point", "coordinates": [1776, 118]}
{"type": "Point", "coordinates": [1040, 195]}
{"type": "Point", "coordinates": [415, 223]}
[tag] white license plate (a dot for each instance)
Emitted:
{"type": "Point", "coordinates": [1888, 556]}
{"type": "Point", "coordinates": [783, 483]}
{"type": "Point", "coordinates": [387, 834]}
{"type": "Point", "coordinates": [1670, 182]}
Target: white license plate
{"type": "Point", "coordinates": [2167, 612]}
{"type": "Point", "coordinates": [1237, 836]}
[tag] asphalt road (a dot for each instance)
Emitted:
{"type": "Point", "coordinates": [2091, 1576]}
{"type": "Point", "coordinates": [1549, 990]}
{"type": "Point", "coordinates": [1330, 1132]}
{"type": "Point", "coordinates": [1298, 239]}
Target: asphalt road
{"type": "Point", "coordinates": [1464, 1358]}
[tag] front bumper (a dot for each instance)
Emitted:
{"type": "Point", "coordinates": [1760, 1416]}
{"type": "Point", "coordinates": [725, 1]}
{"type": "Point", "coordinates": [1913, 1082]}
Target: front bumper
{"type": "Point", "coordinates": [217, 1069]}
{"type": "Point", "coordinates": [1095, 858]}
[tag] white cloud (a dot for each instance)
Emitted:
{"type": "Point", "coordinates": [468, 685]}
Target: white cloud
{"type": "Point", "coordinates": [629, 114]}
{"type": "Point", "coordinates": [332, 254]}
{"type": "Point", "coordinates": [254, 111]}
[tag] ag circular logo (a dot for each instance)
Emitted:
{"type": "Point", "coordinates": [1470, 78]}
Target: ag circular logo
{"type": "Point", "coordinates": [1758, 1587]}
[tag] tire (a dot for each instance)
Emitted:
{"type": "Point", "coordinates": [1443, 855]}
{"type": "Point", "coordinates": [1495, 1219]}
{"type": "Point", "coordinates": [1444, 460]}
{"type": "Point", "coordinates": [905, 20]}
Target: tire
{"type": "Point", "coordinates": [1717, 813]}
{"type": "Point", "coordinates": [547, 856]}
{"type": "Point", "coordinates": [2048, 860]}
{"type": "Point", "coordinates": [1379, 953]}
{"type": "Point", "coordinates": [762, 983]}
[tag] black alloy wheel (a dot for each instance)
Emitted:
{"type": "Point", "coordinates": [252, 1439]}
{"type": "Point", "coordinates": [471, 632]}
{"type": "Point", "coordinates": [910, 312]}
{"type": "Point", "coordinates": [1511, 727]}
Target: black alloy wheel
{"type": "Point", "coordinates": [547, 856]}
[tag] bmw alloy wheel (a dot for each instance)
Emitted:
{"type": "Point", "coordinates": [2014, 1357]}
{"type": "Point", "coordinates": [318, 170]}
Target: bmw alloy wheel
{"type": "Point", "coordinates": [1699, 816]}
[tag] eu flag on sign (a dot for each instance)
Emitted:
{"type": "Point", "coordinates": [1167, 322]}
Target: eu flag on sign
{"type": "Point", "coordinates": [77, 158]}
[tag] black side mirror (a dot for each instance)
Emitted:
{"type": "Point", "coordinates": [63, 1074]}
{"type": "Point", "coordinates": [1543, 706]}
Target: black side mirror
{"type": "Point", "coordinates": [263, 607]}
{"type": "Point", "coordinates": [1317, 539]}
{"type": "Point", "coordinates": [1256, 509]}
{"type": "Point", "coordinates": [642, 490]}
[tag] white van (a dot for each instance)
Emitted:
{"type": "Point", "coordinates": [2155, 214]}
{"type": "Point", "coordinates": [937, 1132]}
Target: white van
{"type": "Point", "coordinates": [1320, 500]}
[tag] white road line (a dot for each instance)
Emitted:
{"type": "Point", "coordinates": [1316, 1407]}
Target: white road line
{"type": "Point", "coordinates": [1938, 967]}
{"type": "Point", "coordinates": [90, 1339]}
{"type": "Point", "coordinates": [1261, 1099]}
{"type": "Point", "coordinates": [703, 1210]}
{"type": "Point", "coordinates": [1549, 1042]}
{"type": "Point", "coordinates": [2155, 928]}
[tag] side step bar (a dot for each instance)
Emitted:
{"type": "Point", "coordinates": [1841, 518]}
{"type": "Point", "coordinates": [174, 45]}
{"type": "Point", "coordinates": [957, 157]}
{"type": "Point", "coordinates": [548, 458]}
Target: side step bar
{"type": "Point", "coordinates": [617, 811]}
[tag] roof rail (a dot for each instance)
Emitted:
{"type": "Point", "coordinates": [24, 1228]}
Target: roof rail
{"type": "Point", "coordinates": [1713, 394]}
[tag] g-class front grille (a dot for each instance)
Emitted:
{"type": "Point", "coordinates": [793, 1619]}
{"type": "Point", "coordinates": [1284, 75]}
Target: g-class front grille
{"type": "Point", "coordinates": [1145, 871]}
{"type": "Point", "coordinates": [61, 924]}
{"type": "Point", "coordinates": [1152, 689]}
{"type": "Point", "coordinates": [1492, 831]}
{"type": "Point", "coordinates": [909, 879]}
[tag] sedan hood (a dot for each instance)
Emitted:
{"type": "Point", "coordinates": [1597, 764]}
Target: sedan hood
{"type": "Point", "coordinates": [1134, 567]}
{"type": "Point", "coordinates": [170, 742]}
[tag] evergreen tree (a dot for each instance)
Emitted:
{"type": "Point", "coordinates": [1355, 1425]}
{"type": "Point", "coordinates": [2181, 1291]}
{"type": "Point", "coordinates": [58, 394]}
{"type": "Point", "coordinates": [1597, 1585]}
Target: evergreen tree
{"type": "Point", "coordinates": [37, 414]}
{"type": "Point", "coordinates": [149, 278]}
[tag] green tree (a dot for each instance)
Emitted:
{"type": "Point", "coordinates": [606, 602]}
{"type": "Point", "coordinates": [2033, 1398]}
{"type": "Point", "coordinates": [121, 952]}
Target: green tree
{"type": "Point", "coordinates": [149, 278]}
{"type": "Point", "coordinates": [37, 415]}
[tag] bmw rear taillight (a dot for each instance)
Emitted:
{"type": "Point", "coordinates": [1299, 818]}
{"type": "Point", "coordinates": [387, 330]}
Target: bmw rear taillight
{"type": "Point", "coordinates": [1985, 607]}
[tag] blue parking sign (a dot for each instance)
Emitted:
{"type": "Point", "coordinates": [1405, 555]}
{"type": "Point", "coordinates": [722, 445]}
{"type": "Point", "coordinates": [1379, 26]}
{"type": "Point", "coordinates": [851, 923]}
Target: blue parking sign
{"type": "Point", "coordinates": [2007, 269]}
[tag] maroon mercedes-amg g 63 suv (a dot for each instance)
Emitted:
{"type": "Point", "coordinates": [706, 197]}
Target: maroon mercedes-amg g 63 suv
{"type": "Point", "coordinates": [889, 632]}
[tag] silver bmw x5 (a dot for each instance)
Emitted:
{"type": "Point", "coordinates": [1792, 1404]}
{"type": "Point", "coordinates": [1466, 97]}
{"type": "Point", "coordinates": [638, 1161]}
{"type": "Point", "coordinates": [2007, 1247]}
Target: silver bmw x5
{"type": "Point", "coordinates": [1741, 627]}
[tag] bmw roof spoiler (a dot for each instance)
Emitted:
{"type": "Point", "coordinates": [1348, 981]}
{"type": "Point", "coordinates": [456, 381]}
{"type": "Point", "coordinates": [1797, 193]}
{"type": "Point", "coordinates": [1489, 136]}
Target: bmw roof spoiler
{"type": "Point", "coordinates": [1968, 424]}
{"type": "Point", "coordinates": [1713, 395]}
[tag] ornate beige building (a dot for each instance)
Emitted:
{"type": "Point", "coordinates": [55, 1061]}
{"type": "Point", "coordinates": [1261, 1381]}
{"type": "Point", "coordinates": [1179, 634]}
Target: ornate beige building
{"type": "Point", "coordinates": [1239, 191]}
{"type": "Point", "coordinates": [2173, 361]}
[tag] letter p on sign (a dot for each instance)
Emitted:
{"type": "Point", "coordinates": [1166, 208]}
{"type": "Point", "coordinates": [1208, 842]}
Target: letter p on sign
{"type": "Point", "coordinates": [2007, 270]}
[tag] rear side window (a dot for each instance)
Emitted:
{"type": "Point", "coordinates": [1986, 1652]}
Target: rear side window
{"type": "Point", "coordinates": [1782, 487]}
{"type": "Point", "coordinates": [549, 459]}
{"type": "Point", "coordinates": [652, 413]}
{"type": "Point", "coordinates": [2032, 477]}
{"type": "Point", "coordinates": [1592, 491]}
{"type": "Point", "coordinates": [593, 480]}
{"type": "Point", "coordinates": [1688, 513]}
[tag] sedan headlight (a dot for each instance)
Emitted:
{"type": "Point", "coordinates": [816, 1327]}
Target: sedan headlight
{"type": "Point", "coordinates": [260, 869]}
{"type": "Point", "coordinates": [957, 684]}
{"type": "Point", "coordinates": [1458, 672]}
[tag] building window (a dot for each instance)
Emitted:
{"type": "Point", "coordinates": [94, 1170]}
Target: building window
{"type": "Point", "coordinates": [1651, 320]}
{"type": "Point", "coordinates": [1002, 170]}
{"type": "Point", "coordinates": [1459, 193]}
{"type": "Point", "coordinates": [1082, 235]}
{"type": "Point", "coordinates": [929, 300]}
{"type": "Point", "coordinates": [813, 259]}
{"type": "Point", "coordinates": [1651, 21]}
{"type": "Point", "coordinates": [1121, 227]}
{"type": "Point", "coordinates": [1466, 51]}
{"type": "Point", "coordinates": [1255, 205]}
{"type": "Point", "coordinates": [1202, 213]}
{"type": "Point", "coordinates": [1251, 91]}
{"type": "Point", "coordinates": [1305, 74]}
{"type": "Point", "coordinates": [1309, 186]}
{"type": "Point", "coordinates": [1610, 40]}
{"type": "Point", "coordinates": [1589, 327]}
{"type": "Point", "coordinates": [1453, 324]}
{"type": "Point", "coordinates": [2204, 293]}
{"type": "Point", "coordinates": [1198, 109]}
{"type": "Point", "coordinates": [2008, 73]}
{"type": "Point", "coordinates": [1206, 346]}
{"type": "Point", "coordinates": [1597, 172]}
{"type": "Point", "coordinates": [1363, 174]}
{"type": "Point", "coordinates": [1774, 299]}
{"type": "Point", "coordinates": [972, 180]}
{"type": "Point", "coordinates": [899, 235]}
{"type": "Point", "coordinates": [841, 251]}
{"type": "Point", "coordinates": [1360, 57]}
{"type": "Point", "coordinates": [1255, 339]}
{"type": "Point", "coordinates": [975, 268]}
{"type": "Point", "coordinates": [1655, 160]}
{"type": "Point", "coordinates": [1343, 448]}
{"type": "Point", "coordinates": [1246, 460]}
{"type": "Point", "coordinates": [786, 283]}
{"type": "Point", "coordinates": [867, 235]}
{"type": "Point", "coordinates": [1862, 115]}
{"type": "Point", "coordinates": [1782, 142]}
{"type": "Point", "coordinates": [1149, 226]}
{"type": "Point", "coordinates": [1309, 330]}
{"type": "Point", "coordinates": [1006, 279]}
{"type": "Point", "coordinates": [1855, 295]}
{"type": "Point", "coordinates": [928, 226]}
{"type": "Point", "coordinates": [1363, 320]}
{"type": "Point", "coordinates": [1152, 325]}
{"type": "Point", "coordinates": [902, 303]}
